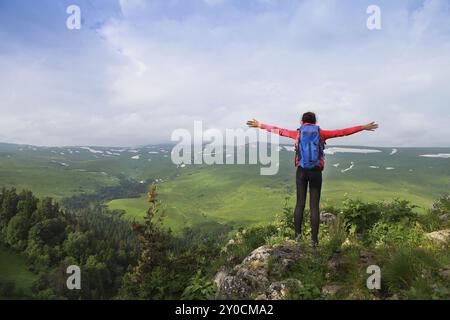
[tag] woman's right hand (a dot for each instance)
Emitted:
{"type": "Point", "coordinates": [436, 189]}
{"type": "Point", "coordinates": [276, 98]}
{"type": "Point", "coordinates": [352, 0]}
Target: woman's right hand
{"type": "Point", "coordinates": [254, 124]}
{"type": "Point", "coordinates": [371, 126]}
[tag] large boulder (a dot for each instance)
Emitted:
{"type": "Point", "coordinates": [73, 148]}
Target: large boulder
{"type": "Point", "coordinates": [254, 277]}
{"type": "Point", "coordinates": [441, 237]}
{"type": "Point", "coordinates": [279, 290]}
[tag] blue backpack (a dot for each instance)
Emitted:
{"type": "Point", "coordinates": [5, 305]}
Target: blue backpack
{"type": "Point", "coordinates": [310, 147]}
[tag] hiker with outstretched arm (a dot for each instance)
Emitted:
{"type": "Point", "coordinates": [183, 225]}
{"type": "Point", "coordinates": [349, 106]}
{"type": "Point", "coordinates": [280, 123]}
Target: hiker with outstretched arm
{"type": "Point", "coordinates": [309, 146]}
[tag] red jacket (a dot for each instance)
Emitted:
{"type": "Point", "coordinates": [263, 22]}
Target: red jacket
{"type": "Point", "coordinates": [324, 136]}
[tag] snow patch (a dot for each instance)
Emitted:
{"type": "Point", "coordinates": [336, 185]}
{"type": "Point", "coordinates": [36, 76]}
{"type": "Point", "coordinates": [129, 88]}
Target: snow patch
{"type": "Point", "coordinates": [292, 149]}
{"type": "Point", "coordinates": [91, 150]}
{"type": "Point", "coordinates": [352, 164]}
{"type": "Point", "coordinates": [438, 155]}
{"type": "Point", "coordinates": [334, 150]}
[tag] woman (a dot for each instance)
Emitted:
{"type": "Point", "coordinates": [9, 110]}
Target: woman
{"type": "Point", "coordinates": [308, 174]}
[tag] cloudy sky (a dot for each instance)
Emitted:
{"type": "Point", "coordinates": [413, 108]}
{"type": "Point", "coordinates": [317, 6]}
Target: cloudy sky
{"type": "Point", "coordinates": [139, 69]}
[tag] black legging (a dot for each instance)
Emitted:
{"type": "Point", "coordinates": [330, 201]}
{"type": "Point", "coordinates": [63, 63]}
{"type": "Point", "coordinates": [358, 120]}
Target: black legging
{"type": "Point", "coordinates": [313, 177]}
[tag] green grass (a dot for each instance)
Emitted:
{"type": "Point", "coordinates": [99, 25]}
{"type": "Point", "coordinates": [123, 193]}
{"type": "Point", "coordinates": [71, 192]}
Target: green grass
{"type": "Point", "coordinates": [238, 195]}
{"type": "Point", "coordinates": [57, 173]}
{"type": "Point", "coordinates": [232, 194]}
{"type": "Point", "coordinates": [13, 268]}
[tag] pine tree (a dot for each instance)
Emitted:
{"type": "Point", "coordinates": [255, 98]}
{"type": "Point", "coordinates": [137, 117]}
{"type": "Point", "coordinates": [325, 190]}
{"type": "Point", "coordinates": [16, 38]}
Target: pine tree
{"type": "Point", "coordinates": [154, 240]}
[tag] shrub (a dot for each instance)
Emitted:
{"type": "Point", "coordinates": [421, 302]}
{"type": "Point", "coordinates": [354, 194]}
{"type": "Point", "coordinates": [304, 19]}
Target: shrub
{"type": "Point", "coordinates": [361, 215]}
{"type": "Point", "coordinates": [408, 267]}
{"type": "Point", "coordinates": [364, 216]}
{"type": "Point", "coordinates": [397, 210]}
{"type": "Point", "coordinates": [307, 291]}
{"type": "Point", "coordinates": [337, 233]}
{"type": "Point", "coordinates": [396, 235]}
{"type": "Point", "coordinates": [7, 290]}
{"type": "Point", "coordinates": [442, 205]}
{"type": "Point", "coordinates": [247, 240]}
{"type": "Point", "coordinates": [199, 288]}
{"type": "Point", "coordinates": [285, 221]}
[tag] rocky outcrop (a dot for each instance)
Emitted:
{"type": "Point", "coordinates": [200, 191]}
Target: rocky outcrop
{"type": "Point", "coordinates": [331, 289]}
{"type": "Point", "coordinates": [327, 218]}
{"type": "Point", "coordinates": [255, 276]}
{"type": "Point", "coordinates": [441, 237]}
{"type": "Point", "coordinates": [445, 272]}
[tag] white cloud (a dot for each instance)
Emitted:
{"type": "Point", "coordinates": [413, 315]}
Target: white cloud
{"type": "Point", "coordinates": [214, 2]}
{"type": "Point", "coordinates": [131, 6]}
{"type": "Point", "coordinates": [154, 73]}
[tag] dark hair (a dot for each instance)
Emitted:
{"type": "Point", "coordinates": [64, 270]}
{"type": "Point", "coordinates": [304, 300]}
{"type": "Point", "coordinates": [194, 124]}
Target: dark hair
{"type": "Point", "coordinates": [309, 117]}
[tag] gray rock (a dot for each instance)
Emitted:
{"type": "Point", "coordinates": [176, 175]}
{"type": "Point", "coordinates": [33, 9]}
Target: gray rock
{"type": "Point", "coordinates": [253, 277]}
{"type": "Point", "coordinates": [235, 287]}
{"type": "Point", "coordinates": [445, 272]}
{"type": "Point", "coordinates": [366, 257]}
{"type": "Point", "coordinates": [337, 261]}
{"type": "Point", "coordinates": [441, 237]}
{"type": "Point", "coordinates": [444, 217]}
{"type": "Point", "coordinates": [331, 289]}
{"type": "Point", "coordinates": [327, 218]}
{"type": "Point", "coordinates": [279, 290]}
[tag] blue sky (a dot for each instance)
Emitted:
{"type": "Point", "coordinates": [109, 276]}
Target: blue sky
{"type": "Point", "coordinates": [139, 69]}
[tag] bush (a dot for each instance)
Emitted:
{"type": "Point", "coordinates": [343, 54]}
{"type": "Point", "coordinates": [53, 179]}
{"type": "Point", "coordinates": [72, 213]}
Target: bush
{"type": "Point", "coordinates": [199, 288]}
{"type": "Point", "coordinates": [364, 216]}
{"type": "Point", "coordinates": [431, 220]}
{"type": "Point", "coordinates": [361, 215]}
{"type": "Point", "coordinates": [397, 210]}
{"type": "Point", "coordinates": [442, 205]}
{"type": "Point", "coordinates": [396, 235]}
{"type": "Point", "coordinates": [407, 268]}
{"type": "Point", "coordinates": [304, 292]}
{"type": "Point", "coordinates": [337, 233]}
{"type": "Point", "coordinates": [285, 220]}
{"type": "Point", "coordinates": [7, 290]}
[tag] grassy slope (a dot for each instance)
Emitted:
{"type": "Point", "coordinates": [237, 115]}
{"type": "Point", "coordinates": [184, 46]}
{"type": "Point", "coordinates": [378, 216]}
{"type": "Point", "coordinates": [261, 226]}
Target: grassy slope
{"type": "Point", "coordinates": [239, 195]}
{"type": "Point", "coordinates": [13, 268]}
{"type": "Point", "coordinates": [226, 193]}
{"type": "Point", "coordinates": [42, 171]}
